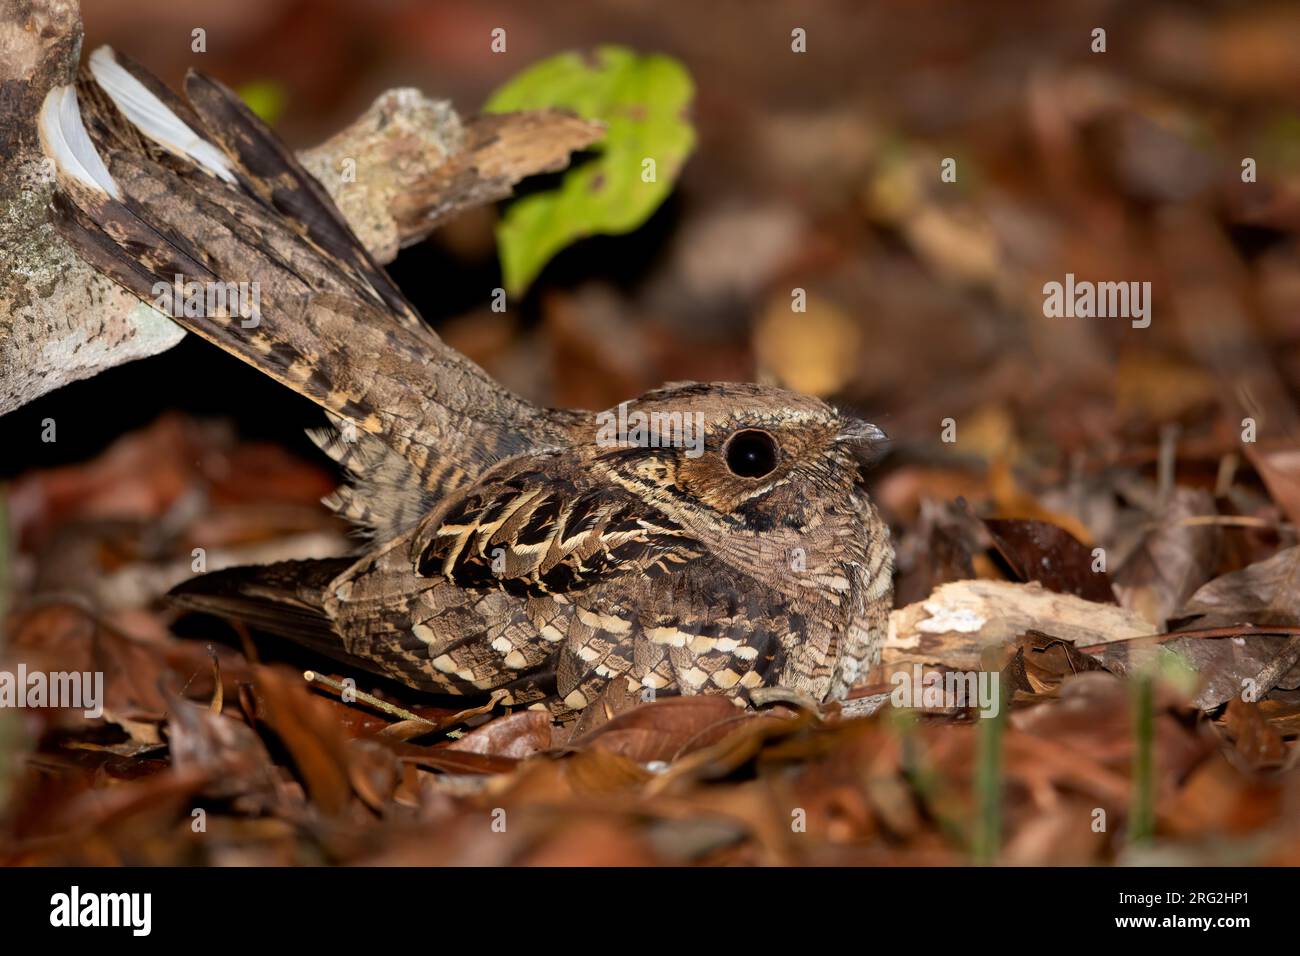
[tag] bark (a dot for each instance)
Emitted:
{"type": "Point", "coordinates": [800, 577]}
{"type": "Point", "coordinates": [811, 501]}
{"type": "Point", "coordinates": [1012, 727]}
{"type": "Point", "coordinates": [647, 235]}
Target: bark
{"type": "Point", "coordinates": [954, 625]}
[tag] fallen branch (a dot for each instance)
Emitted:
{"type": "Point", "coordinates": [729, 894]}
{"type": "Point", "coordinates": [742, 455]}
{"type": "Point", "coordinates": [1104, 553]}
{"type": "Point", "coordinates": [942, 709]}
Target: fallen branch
{"type": "Point", "coordinates": [1278, 667]}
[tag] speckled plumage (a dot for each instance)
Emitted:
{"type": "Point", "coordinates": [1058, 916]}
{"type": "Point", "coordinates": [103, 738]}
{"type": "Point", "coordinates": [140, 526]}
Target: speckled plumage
{"type": "Point", "coordinates": [512, 549]}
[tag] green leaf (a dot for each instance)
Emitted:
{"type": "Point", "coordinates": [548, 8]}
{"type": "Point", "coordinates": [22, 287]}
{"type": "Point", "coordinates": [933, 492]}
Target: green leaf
{"type": "Point", "coordinates": [643, 101]}
{"type": "Point", "coordinates": [265, 98]}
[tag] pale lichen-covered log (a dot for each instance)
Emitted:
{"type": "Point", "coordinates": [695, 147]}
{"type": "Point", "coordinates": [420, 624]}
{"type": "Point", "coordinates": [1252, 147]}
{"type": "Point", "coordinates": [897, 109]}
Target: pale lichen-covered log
{"type": "Point", "coordinates": [953, 626]}
{"type": "Point", "coordinates": [406, 165]}
{"type": "Point", "coordinates": [59, 320]}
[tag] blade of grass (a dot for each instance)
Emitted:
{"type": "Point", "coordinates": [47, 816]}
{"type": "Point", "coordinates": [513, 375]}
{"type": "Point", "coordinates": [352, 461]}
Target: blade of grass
{"type": "Point", "coordinates": [987, 837]}
{"type": "Point", "coordinates": [1142, 811]}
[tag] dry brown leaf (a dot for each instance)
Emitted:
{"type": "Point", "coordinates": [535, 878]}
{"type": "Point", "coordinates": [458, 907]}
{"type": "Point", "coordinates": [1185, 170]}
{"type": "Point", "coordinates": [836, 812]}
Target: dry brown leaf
{"type": "Point", "coordinates": [315, 742]}
{"type": "Point", "coordinates": [1279, 465]}
{"type": "Point", "coordinates": [228, 750]}
{"type": "Point", "coordinates": [1174, 559]}
{"type": "Point", "coordinates": [516, 735]}
{"type": "Point", "coordinates": [664, 729]}
{"type": "Point", "coordinates": [1265, 593]}
{"type": "Point", "coordinates": [1042, 552]}
{"type": "Point", "coordinates": [1256, 740]}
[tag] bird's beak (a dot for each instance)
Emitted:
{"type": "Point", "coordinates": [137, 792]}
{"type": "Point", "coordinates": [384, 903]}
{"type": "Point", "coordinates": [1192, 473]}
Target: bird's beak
{"type": "Point", "coordinates": [868, 442]}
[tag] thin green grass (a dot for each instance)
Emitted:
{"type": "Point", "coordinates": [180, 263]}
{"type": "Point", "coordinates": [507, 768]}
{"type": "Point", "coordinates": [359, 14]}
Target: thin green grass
{"type": "Point", "coordinates": [1142, 810]}
{"type": "Point", "coordinates": [986, 838]}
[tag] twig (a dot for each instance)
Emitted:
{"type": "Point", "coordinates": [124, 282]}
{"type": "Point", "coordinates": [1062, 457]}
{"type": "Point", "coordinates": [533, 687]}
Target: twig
{"type": "Point", "coordinates": [1236, 630]}
{"type": "Point", "coordinates": [392, 710]}
{"type": "Point", "coordinates": [218, 689]}
{"type": "Point", "coordinates": [1239, 521]}
{"type": "Point", "coordinates": [1278, 667]}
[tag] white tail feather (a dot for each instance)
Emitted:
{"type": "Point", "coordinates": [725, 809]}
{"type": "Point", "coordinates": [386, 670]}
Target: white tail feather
{"type": "Point", "coordinates": [152, 117]}
{"type": "Point", "coordinates": [64, 140]}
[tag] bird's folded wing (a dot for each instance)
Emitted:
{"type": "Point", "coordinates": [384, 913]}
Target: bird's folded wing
{"type": "Point", "coordinates": [540, 523]}
{"type": "Point", "coordinates": [538, 583]}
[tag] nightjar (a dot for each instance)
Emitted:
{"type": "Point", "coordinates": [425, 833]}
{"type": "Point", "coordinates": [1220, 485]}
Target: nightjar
{"type": "Point", "coordinates": [703, 538]}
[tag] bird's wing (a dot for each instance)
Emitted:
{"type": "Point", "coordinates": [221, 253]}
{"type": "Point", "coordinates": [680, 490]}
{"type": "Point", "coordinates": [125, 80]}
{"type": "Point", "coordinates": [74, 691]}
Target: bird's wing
{"type": "Point", "coordinates": [547, 583]}
{"type": "Point", "coordinates": [539, 582]}
{"type": "Point", "coordinates": [153, 188]}
{"type": "Point", "coordinates": [699, 629]}
{"type": "Point", "coordinates": [540, 523]}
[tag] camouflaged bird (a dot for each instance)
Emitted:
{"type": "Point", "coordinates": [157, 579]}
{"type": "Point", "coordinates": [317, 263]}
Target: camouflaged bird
{"type": "Point", "coordinates": [537, 554]}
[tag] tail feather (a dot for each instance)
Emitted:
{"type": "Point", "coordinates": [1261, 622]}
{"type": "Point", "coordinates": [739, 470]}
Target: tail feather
{"type": "Point", "coordinates": [155, 112]}
{"type": "Point", "coordinates": [285, 599]}
{"type": "Point", "coordinates": [275, 174]}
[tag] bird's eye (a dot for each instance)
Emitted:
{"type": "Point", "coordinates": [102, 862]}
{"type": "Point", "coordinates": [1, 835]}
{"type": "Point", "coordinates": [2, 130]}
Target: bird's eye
{"type": "Point", "coordinates": [750, 453]}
